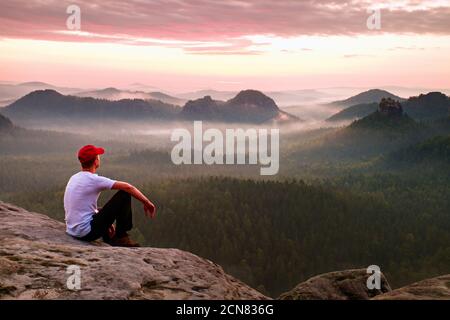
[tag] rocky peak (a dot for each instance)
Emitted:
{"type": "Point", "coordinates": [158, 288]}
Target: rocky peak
{"type": "Point", "coordinates": [390, 106]}
{"type": "Point", "coordinates": [35, 253]}
{"type": "Point", "coordinates": [248, 106]}
{"type": "Point", "coordinates": [436, 97]}
{"type": "Point", "coordinates": [338, 285]}
{"type": "Point", "coordinates": [50, 93]}
{"type": "Point", "coordinates": [35, 100]}
{"type": "Point", "coordinates": [205, 107]}
{"type": "Point", "coordinates": [204, 102]}
{"type": "Point", "coordinates": [253, 98]}
{"type": "Point", "coordinates": [436, 102]}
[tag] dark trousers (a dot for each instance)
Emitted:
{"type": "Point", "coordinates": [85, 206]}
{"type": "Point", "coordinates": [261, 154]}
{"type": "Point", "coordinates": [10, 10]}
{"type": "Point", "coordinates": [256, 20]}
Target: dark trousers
{"type": "Point", "coordinates": [117, 209]}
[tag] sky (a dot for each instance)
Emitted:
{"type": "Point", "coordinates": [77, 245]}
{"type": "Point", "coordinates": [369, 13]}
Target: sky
{"type": "Point", "coordinates": [185, 45]}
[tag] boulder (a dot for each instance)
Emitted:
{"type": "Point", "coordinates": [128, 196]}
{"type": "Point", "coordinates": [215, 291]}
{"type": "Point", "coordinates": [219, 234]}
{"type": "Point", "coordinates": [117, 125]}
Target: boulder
{"type": "Point", "coordinates": [430, 289]}
{"type": "Point", "coordinates": [338, 285]}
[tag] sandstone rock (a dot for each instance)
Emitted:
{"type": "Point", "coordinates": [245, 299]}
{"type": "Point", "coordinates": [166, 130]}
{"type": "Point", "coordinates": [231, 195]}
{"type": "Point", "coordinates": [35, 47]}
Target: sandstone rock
{"type": "Point", "coordinates": [248, 106]}
{"type": "Point", "coordinates": [35, 253]}
{"type": "Point", "coordinates": [390, 106]}
{"type": "Point", "coordinates": [430, 289]}
{"type": "Point", "coordinates": [338, 285]}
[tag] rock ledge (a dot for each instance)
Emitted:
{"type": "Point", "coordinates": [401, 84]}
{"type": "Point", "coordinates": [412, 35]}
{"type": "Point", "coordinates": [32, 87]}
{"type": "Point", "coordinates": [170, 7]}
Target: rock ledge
{"type": "Point", "coordinates": [35, 252]}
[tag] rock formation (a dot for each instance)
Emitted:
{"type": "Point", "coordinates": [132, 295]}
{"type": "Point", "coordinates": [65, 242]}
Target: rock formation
{"type": "Point", "coordinates": [338, 285]}
{"type": "Point", "coordinates": [351, 285]}
{"type": "Point", "coordinates": [248, 106]}
{"type": "Point", "coordinates": [430, 106]}
{"type": "Point", "coordinates": [35, 253]}
{"type": "Point", "coordinates": [430, 289]}
{"type": "Point", "coordinates": [390, 106]}
{"type": "Point", "coordinates": [202, 109]}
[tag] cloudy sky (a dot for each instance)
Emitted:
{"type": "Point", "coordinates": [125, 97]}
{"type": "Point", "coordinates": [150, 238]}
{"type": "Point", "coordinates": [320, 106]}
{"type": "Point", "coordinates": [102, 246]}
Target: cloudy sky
{"type": "Point", "coordinates": [182, 45]}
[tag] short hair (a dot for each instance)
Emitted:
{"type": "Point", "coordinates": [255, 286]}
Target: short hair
{"type": "Point", "coordinates": [87, 164]}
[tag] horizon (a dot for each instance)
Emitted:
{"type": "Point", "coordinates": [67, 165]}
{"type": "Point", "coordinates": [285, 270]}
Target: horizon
{"type": "Point", "coordinates": [149, 88]}
{"type": "Point", "coordinates": [179, 47]}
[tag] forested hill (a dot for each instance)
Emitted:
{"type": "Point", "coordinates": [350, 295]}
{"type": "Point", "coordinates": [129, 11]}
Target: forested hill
{"type": "Point", "coordinates": [366, 97]}
{"type": "Point", "coordinates": [433, 105]}
{"type": "Point", "coordinates": [430, 106]}
{"type": "Point", "coordinates": [248, 106]}
{"type": "Point", "coordinates": [378, 121]}
{"type": "Point", "coordinates": [49, 104]}
{"type": "Point", "coordinates": [354, 112]}
{"type": "Point", "coordinates": [5, 123]}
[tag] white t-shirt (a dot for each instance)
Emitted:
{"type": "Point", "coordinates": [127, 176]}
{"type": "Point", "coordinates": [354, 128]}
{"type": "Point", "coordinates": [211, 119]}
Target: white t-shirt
{"type": "Point", "coordinates": [80, 201]}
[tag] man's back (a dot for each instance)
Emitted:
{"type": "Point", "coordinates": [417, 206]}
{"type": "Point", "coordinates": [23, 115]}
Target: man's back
{"type": "Point", "coordinates": [80, 201]}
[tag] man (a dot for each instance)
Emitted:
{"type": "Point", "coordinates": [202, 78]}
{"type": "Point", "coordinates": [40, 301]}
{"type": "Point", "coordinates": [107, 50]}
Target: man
{"type": "Point", "coordinates": [84, 220]}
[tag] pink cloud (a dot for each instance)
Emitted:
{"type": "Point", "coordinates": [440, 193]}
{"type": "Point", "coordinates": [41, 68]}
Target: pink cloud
{"type": "Point", "coordinates": [195, 21]}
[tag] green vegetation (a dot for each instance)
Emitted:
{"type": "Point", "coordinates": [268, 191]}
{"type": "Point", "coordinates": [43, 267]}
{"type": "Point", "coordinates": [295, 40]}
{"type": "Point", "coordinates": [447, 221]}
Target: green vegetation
{"type": "Point", "coordinates": [354, 112]}
{"type": "Point", "coordinates": [275, 234]}
{"type": "Point", "coordinates": [434, 149]}
{"type": "Point", "coordinates": [390, 124]}
{"type": "Point", "coordinates": [433, 105]}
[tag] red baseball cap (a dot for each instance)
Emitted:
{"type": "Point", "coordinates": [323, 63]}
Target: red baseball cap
{"type": "Point", "coordinates": [89, 152]}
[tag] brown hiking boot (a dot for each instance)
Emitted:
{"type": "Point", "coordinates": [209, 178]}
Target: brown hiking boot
{"type": "Point", "coordinates": [124, 241]}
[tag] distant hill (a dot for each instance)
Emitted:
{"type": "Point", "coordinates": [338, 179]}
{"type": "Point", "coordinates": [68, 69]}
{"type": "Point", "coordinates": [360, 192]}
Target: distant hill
{"type": "Point", "coordinates": [11, 92]}
{"type": "Point", "coordinates": [214, 94]}
{"type": "Point", "coordinates": [36, 84]}
{"type": "Point", "coordinates": [116, 94]}
{"type": "Point", "coordinates": [247, 106]}
{"type": "Point", "coordinates": [5, 123]}
{"type": "Point", "coordinates": [430, 106]}
{"type": "Point", "coordinates": [386, 130]}
{"type": "Point", "coordinates": [166, 98]}
{"type": "Point", "coordinates": [281, 98]}
{"type": "Point", "coordinates": [379, 121]}
{"type": "Point", "coordinates": [202, 109]}
{"type": "Point", "coordinates": [370, 96]}
{"type": "Point", "coordinates": [137, 86]}
{"type": "Point", "coordinates": [107, 93]}
{"type": "Point", "coordinates": [50, 104]}
{"type": "Point", "coordinates": [354, 112]}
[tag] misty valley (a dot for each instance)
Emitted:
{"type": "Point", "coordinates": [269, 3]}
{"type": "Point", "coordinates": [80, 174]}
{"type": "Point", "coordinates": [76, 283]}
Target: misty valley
{"type": "Point", "coordinates": [227, 148]}
{"type": "Point", "coordinates": [361, 180]}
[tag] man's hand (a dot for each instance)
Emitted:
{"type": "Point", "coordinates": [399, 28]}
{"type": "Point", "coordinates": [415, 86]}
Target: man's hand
{"type": "Point", "coordinates": [149, 209]}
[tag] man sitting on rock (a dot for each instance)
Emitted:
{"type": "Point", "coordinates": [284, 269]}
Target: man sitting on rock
{"type": "Point", "coordinates": [84, 220]}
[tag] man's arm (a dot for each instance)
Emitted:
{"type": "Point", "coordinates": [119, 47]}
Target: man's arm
{"type": "Point", "coordinates": [149, 207]}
